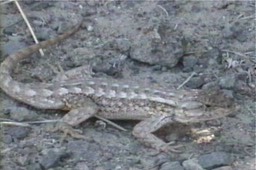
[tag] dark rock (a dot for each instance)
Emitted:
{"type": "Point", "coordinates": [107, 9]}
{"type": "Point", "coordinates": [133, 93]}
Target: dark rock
{"type": "Point", "coordinates": [10, 30]}
{"type": "Point", "coordinates": [195, 82]}
{"type": "Point", "coordinates": [214, 56]}
{"type": "Point", "coordinates": [52, 158]}
{"type": "Point", "coordinates": [243, 75]}
{"type": "Point", "coordinates": [189, 62]}
{"type": "Point", "coordinates": [44, 34]}
{"type": "Point", "coordinates": [211, 85]}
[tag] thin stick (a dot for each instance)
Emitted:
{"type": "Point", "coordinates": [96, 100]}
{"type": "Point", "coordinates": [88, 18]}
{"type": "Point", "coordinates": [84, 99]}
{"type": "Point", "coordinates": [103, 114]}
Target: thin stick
{"type": "Point", "coordinates": [167, 14]}
{"type": "Point", "coordinates": [241, 55]}
{"type": "Point", "coordinates": [5, 2]}
{"type": "Point", "coordinates": [28, 24]}
{"type": "Point", "coordinates": [15, 124]}
{"type": "Point", "coordinates": [194, 73]}
{"type": "Point", "coordinates": [26, 124]}
{"type": "Point", "coordinates": [111, 123]}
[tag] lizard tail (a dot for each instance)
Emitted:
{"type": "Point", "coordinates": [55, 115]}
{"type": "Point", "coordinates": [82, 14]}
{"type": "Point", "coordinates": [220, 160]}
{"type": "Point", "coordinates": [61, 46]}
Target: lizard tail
{"type": "Point", "coordinates": [9, 63]}
{"type": "Point", "coordinates": [17, 89]}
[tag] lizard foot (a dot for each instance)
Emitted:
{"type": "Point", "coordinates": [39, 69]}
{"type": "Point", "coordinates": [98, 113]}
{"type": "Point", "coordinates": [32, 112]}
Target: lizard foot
{"type": "Point", "coordinates": [68, 130]}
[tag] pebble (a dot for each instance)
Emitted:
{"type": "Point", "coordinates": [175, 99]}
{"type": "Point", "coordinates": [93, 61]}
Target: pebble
{"type": "Point", "coordinates": [21, 114]}
{"type": "Point", "coordinates": [192, 164]}
{"type": "Point", "coordinates": [171, 165]}
{"type": "Point", "coordinates": [18, 132]}
{"type": "Point", "coordinates": [51, 158]}
{"type": "Point", "coordinates": [228, 82]}
{"type": "Point", "coordinates": [214, 160]}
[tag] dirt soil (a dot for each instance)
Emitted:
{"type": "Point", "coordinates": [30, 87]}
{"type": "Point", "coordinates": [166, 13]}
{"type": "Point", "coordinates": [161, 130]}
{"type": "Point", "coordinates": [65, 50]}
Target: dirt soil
{"type": "Point", "coordinates": [186, 44]}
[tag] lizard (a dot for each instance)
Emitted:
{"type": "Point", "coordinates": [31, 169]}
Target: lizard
{"type": "Point", "coordinates": [84, 98]}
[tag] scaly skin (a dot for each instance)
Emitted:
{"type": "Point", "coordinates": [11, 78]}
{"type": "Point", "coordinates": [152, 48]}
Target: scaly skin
{"type": "Point", "coordinates": [85, 98]}
{"type": "Point", "coordinates": [25, 92]}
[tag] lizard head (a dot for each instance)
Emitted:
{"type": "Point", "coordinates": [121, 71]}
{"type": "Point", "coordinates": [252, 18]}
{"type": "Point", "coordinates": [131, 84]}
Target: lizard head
{"type": "Point", "coordinates": [216, 98]}
{"type": "Point", "coordinates": [214, 104]}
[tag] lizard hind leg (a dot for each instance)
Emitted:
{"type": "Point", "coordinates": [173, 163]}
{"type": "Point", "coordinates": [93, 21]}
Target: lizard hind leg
{"type": "Point", "coordinates": [144, 132]}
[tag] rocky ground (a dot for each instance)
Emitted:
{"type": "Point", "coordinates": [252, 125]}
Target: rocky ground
{"type": "Point", "coordinates": [164, 43]}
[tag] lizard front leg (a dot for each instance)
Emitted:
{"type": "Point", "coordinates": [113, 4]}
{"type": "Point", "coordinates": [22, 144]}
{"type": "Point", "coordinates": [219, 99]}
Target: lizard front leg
{"type": "Point", "coordinates": [143, 131]}
{"type": "Point", "coordinates": [79, 113]}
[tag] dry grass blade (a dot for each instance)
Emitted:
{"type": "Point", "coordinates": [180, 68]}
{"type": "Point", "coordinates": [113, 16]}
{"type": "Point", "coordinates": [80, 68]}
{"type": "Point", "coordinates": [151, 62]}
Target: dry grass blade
{"type": "Point", "coordinates": [28, 24]}
{"type": "Point", "coordinates": [111, 123]}
{"type": "Point", "coordinates": [187, 80]}
{"type": "Point", "coordinates": [15, 124]}
{"type": "Point", "coordinates": [25, 19]}
{"type": "Point", "coordinates": [2, 2]}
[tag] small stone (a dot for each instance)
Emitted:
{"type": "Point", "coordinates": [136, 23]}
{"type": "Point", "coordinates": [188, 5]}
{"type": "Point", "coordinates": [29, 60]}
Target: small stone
{"type": "Point", "coordinates": [192, 164]}
{"type": "Point", "coordinates": [21, 114]}
{"type": "Point", "coordinates": [51, 158]}
{"type": "Point", "coordinates": [34, 166]}
{"type": "Point", "coordinates": [123, 44]}
{"type": "Point", "coordinates": [224, 168]}
{"type": "Point", "coordinates": [211, 85]}
{"type": "Point", "coordinates": [235, 31]}
{"type": "Point", "coordinates": [214, 160]}
{"type": "Point", "coordinates": [10, 30]}
{"type": "Point", "coordinates": [13, 45]}
{"type": "Point", "coordinates": [171, 165]}
{"type": "Point", "coordinates": [18, 132]}
{"type": "Point", "coordinates": [90, 28]}
{"type": "Point", "coordinates": [43, 34]}
{"type": "Point", "coordinates": [81, 166]}
{"type": "Point", "coordinates": [189, 62]}
{"type": "Point", "coordinates": [195, 82]}
{"type": "Point", "coordinates": [227, 82]}
{"type": "Point", "coordinates": [7, 139]}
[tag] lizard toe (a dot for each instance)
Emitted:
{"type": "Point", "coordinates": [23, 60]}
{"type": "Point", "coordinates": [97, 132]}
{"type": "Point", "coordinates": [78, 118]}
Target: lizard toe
{"type": "Point", "coordinates": [167, 148]}
{"type": "Point", "coordinates": [68, 131]}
